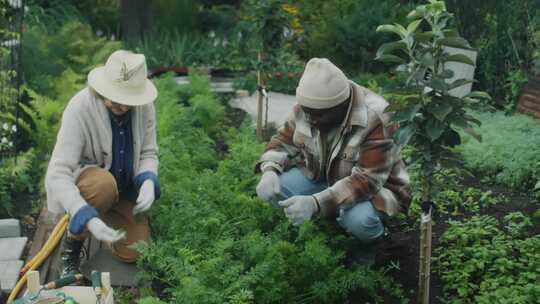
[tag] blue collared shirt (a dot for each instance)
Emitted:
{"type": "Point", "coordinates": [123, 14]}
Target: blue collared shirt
{"type": "Point", "coordinates": [122, 160]}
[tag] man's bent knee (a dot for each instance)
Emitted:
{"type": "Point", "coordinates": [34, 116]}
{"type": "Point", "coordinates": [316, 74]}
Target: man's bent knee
{"type": "Point", "coordinates": [362, 221]}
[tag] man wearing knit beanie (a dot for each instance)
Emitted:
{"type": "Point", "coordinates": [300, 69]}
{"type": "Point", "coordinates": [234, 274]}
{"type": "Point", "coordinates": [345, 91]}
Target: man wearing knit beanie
{"type": "Point", "coordinates": [335, 156]}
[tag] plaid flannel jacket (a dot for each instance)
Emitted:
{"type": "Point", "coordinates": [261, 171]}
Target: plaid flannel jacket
{"type": "Point", "coordinates": [364, 163]}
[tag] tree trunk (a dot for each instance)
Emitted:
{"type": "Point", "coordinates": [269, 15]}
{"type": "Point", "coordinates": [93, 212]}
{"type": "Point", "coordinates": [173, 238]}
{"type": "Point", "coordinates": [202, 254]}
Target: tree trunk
{"type": "Point", "coordinates": [136, 18]}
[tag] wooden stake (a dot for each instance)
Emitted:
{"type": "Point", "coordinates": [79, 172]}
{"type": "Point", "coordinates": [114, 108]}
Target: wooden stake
{"type": "Point", "coordinates": [33, 282]}
{"type": "Point", "coordinates": [425, 258]}
{"type": "Point", "coordinates": [259, 100]}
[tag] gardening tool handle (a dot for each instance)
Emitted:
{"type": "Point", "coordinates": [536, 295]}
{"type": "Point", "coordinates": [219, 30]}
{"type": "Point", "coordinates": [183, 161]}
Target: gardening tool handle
{"type": "Point", "coordinates": [63, 281]}
{"type": "Point", "coordinates": [96, 283]}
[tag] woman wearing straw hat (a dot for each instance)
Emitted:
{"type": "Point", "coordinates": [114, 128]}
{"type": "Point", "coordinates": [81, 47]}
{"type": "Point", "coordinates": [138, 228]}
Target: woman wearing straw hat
{"type": "Point", "coordinates": [103, 169]}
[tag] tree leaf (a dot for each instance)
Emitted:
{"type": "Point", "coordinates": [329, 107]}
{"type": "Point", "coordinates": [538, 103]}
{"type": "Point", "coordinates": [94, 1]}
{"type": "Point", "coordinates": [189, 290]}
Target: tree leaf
{"type": "Point", "coordinates": [459, 82]}
{"type": "Point", "coordinates": [411, 28]}
{"type": "Point", "coordinates": [459, 121]}
{"type": "Point", "coordinates": [390, 58]}
{"type": "Point", "coordinates": [446, 74]}
{"type": "Point", "coordinates": [440, 110]}
{"type": "Point", "coordinates": [456, 42]}
{"type": "Point", "coordinates": [434, 129]}
{"type": "Point", "coordinates": [439, 84]}
{"type": "Point", "coordinates": [407, 113]}
{"type": "Point", "coordinates": [472, 133]}
{"type": "Point", "coordinates": [460, 58]}
{"type": "Point", "coordinates": [473, 120]}
{"type": "Point", "coordinates": [404, 134]}
{"type": "Point", "coordinates": [427, 60]}
{"type": "Point", "coordinates": [390, 47]}
{"type": "Point", "coordinates": [424, 37]}
{"type": "Point", "coordinates": [450, 33]}
{"type": "Point", "coordinates": [392, 29]}
{"type": "Point", "coordinates": [478, 95]}
{"type": "Point", "coordinates": [417, 13]}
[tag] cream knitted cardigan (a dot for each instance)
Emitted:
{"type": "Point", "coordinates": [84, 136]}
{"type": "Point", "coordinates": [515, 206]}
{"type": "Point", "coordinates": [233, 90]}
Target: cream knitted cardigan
{"type": "Point", "coordinates": [85, 140]}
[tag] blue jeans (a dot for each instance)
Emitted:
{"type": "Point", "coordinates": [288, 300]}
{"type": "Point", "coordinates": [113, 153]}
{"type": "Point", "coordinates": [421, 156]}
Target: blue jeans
{"type": "Point", "coordinates": [361, 219]}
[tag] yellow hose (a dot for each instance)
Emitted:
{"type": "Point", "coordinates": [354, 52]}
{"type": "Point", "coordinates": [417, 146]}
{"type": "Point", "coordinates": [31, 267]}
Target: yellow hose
{"type": "Point", "coordinates": [50, 245]}
{"type": "Point", "coordinates": [47, 244]}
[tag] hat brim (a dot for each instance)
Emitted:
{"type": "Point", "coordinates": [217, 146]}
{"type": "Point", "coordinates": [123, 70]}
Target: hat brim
{"type": "Point", "coordinates": [142, 95]}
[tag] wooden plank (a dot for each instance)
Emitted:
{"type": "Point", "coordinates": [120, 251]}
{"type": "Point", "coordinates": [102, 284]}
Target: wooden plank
{"type": "Point", "coordinates": [532, 105]}
{"type": "Point", "coordinates": [529, 99]}
{"type": "Point", "coordinates": [531, 91]}
{"type": "Point", "coordinates": [45, 225]}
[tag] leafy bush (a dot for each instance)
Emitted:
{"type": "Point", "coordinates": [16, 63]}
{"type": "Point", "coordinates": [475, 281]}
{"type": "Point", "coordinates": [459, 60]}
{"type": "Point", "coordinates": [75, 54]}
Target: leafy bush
{"type": "Point", "coordinates": [18, 176]}
{"type": "Point", "coordinates": [72, 51]}
{"type": "Point", "coordinates": [481, 262]}
{"type": "Point", "coordinates": [214, 242]}
{"type": "Point", "coordinates": [506, 154]}
{"type": "Point", "coordinates": [344, 31]}
{"type": "Point", "coordinates": [498, 30]}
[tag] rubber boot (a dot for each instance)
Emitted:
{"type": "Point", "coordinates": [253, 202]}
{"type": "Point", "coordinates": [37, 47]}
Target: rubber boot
{"type": "Point", "coordinates": [71, 256]}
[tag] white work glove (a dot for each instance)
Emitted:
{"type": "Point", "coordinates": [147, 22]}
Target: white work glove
{"type": "Point", "coordinates": [103, 232]}
{"type": "Point", "coordinates": [146, 197]}
{"type": "Point", "coordinates": [299, 208]}
{"type": "Point", "coordinates": [269, 186]}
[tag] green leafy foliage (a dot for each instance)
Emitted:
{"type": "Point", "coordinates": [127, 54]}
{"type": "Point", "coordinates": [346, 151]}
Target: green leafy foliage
{"type": "Point", "coordinates": [344, 31]}
{"type": "Point", "coordinates": [482, 260]}
{"type": "Point", "coordinates": [18, 175]}
{"type": "Point", "coordinates": [71, 49]}
{"type": "Point", "coordinates": [500, 31]}
{"type": "Point", "coordinates": [428, 113]}
{"type": "Point", "coordinates": [215, 242]}
{"type": "Point", "coordinates": [505, 155]}
{"type": "Point", "coordinates": [450, 193]}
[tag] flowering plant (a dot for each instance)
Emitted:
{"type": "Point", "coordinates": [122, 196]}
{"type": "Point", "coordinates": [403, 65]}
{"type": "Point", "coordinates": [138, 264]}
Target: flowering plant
{"type": "Point", "coordinates": [7, 132]}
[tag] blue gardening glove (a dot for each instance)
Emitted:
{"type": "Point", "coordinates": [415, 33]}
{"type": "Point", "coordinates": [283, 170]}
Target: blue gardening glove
{"type": "Point", "coordinates": [78, 221]}
{"type": "Point", "coordinates": [300, 208]}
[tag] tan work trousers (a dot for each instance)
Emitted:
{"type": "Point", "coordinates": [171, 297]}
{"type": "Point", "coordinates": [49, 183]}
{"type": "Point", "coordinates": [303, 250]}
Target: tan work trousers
{"type": "Point", "coordinates": [98, 187]}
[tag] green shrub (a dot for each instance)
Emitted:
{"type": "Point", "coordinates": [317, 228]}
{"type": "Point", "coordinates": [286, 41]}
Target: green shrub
{"type": "Point", "coordinates": [344, 31]}
{"type": "Point", "coordinates": [479, 262]}
{"type": "Point", "coordinates": [507, 152]}
{"type": "Point", "coordinates": [18, 175]}
{"type": "Point", "coordinates": [499, 31]}
{"type": "Point", "coordinates": [71, 52]}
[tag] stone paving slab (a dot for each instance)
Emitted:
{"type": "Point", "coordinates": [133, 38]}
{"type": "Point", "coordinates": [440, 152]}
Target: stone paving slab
{"type": "Point", "coordinates": [12, 248]}
{"type": "Point", "coordinates": [122, 274]}
{"type": "Point", "coordinates": [9, 274]}
{"type": "Point", "coordinates": [217, 85]}
{"type": "Point", "coordinates": [10, 228]}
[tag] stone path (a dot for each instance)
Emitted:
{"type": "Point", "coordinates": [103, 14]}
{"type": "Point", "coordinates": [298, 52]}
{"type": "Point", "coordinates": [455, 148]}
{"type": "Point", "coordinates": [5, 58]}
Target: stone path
{"type": "Point", "coordinates": [11, 249]}
{"type": "Point", "coordinates": [279, 106]}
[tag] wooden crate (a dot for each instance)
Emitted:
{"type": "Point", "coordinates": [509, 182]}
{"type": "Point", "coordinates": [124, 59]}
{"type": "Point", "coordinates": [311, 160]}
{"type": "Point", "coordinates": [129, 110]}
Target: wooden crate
{"type": "Point", "coordinates": [529, 100]}
{"type": "Point", "coordinates": [81, 294]}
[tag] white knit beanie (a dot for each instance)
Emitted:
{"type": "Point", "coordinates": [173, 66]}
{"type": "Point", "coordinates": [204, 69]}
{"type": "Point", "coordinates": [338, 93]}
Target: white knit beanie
{"type": "Point", "coordinates": [323, 85]}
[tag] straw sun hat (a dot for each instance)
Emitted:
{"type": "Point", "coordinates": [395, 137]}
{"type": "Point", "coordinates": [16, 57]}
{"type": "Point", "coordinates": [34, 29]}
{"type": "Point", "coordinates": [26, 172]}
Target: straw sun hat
{"type": "Point", "coordinates": [123, 79]}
